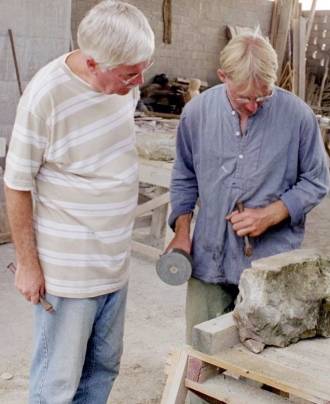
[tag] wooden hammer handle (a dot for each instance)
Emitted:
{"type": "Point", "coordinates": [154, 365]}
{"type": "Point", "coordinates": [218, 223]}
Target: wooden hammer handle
{"type": "Point", "coordinates": [248, 250]}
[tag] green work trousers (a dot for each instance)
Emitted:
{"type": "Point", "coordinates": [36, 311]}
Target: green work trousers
{"type": "Point", "coordinates": [205, 301]}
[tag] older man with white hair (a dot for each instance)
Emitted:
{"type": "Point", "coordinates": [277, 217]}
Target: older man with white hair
{"type": "Point", "coordinates": [242, 142]}
{"type": "Point", "coordinates": [73, 150]}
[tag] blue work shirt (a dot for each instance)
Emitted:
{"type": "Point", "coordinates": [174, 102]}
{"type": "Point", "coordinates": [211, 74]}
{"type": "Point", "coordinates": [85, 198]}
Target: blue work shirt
{"type": "Point", "coordinates": [281, 156]}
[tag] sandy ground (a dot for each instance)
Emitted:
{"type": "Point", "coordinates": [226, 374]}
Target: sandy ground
{"type": "Point", "coordinates": [154, 326]}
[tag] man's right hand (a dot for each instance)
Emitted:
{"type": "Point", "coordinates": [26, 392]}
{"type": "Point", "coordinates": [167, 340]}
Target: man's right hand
{"type": "Point", "coordinates": [30, 281]}
{"type": "Point", "coordinates": [181, 239]}
{"type": "Point", "coordinates": [182, 243]}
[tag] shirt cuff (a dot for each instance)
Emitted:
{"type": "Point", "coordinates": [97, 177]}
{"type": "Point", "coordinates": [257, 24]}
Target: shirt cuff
{"type": "Point", "coordinates": [296, 212]}
{"type": "Point", "coordinates": [174, 215]}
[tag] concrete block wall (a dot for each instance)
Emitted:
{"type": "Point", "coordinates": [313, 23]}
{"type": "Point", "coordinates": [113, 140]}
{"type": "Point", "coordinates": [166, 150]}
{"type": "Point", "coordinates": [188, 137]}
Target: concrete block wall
{"type": "Point", "coordinates": [198, 31]}
{"type": "Point", "coordinates": [42, 32]}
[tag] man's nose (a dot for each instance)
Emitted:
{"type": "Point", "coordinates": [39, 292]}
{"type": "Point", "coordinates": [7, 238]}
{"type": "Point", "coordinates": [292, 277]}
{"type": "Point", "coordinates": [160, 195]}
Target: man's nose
{"type": "Point", "coordinates": [252, 106]}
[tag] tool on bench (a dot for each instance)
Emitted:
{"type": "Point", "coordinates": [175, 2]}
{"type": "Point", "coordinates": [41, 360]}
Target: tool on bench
{"type": "Point", "coordinates": [174, 267]}
{"type": "Point", "coordinates": [248, 250]}
{"type": "Point", "coordinates": [44, 303]}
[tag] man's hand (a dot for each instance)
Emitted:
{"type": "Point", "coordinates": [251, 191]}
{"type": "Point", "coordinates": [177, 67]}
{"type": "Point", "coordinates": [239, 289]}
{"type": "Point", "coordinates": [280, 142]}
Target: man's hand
{"type": "Point", "coordinates": [180, 243]}
{"type": "Point", "coordinates": [181, 239]}
{"type": "Point", "coordinates": [254, 222]}
{"type": "Point", "coordinates": [29, 280]}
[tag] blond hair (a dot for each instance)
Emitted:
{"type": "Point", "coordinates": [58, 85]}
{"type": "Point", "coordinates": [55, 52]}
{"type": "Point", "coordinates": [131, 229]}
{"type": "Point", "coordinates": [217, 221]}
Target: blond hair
{"type": "Point", "coordinates": [248, 59]}
{"type": "Point", "coordinates": [115, 33]}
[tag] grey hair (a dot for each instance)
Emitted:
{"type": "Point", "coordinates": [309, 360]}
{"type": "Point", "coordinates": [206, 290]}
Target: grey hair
{"type": "Point", "coordinates": [249, 58]}
{"type": "Point", "coordinates": [115, 33]}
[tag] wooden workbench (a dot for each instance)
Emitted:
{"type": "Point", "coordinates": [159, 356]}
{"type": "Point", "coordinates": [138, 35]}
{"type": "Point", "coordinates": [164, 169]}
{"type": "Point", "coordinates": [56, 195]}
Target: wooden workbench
{"type": "Point", "coordinates": [155, 173]}
{"type": "Point", "coordinates": [299, 373]}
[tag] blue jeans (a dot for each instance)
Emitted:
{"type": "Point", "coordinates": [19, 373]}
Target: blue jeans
{"type": "Point", "coordinates": [78, 349]}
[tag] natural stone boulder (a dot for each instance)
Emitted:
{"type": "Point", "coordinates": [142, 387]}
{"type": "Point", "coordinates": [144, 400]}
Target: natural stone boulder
{"type": "Point", "coordinates": [284, 298]}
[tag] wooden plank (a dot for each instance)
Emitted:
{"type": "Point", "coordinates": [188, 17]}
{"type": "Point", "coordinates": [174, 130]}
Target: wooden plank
{"type": "Point", "coordinates": [229, 390]}
{"type": "Point", "coordinates": [144, 249]}
{"type": "Point", "coordinates": [300, 383]}
{"type": "Point", "coordinates": [155, 172]}
{"type": "Point", "coordinates": [175, 391]}
{"type": "Point", "coordinates": [152, 204]}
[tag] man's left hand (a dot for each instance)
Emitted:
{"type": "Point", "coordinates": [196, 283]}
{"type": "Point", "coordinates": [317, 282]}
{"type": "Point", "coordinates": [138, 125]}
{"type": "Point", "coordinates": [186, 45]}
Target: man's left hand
{"type": "Point", "coordinates": [255, 221]}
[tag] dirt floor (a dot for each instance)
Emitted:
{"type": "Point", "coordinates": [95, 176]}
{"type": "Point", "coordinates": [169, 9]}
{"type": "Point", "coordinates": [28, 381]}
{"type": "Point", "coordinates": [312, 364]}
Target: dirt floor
{"type": "Point", "coordinates": [154, 326]}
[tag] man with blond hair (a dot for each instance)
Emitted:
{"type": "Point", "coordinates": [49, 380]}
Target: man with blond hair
{"type": "Point", "coordinates": [243, 141]}
{"type": "Point", "coordinates": [73, 150]}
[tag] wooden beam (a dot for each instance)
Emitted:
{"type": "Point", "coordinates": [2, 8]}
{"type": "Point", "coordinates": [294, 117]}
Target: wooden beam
{"type": "Point", "coordinates": [147, 250]}
{"type": "Point", "coordinates": [153, 204]}
{"type": "Point", "coordinates": [167, 19]}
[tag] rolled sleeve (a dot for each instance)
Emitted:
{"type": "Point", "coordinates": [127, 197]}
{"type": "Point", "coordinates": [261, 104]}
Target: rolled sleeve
{"type": "Point", "coordinates": [184, 186]}
{"type": "Point", "coordinates": [313, 181]}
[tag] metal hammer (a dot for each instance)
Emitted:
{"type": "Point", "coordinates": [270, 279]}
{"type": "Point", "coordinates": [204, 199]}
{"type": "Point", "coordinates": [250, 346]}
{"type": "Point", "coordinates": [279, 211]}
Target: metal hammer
{"type": "Point", "coordinates": [44, 303]}
{"type": "Point", "coordinates": [248, 250]}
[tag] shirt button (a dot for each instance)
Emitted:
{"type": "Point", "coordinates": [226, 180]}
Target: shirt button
{"type": "Point", "coordinates": [240, 156]}
{"type": "Point", "coordinates": [238, 133]}
{"type": "Point", "coordinates": [233, 112]}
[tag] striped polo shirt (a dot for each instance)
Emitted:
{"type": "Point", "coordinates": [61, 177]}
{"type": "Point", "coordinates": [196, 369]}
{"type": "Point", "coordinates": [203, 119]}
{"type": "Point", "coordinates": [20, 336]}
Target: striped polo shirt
{"type": "Point", "coordinates": [74, 148]}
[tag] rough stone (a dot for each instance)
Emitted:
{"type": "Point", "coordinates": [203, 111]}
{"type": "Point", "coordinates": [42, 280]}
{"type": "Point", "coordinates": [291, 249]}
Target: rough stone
{"type": "Point", "coordinates": [284, 298]}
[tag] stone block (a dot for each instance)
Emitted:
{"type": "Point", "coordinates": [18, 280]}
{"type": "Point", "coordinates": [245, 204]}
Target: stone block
{"type": "Point", "coordinates": [215, 335]}
{"type": "Point", "coordinates": [284, 298]}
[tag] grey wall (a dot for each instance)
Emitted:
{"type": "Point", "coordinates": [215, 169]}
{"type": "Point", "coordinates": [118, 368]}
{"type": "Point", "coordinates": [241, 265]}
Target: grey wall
{"type": "Point", "coordinates": [42, 31]}
{"type": "Point", "coordinates": [198, 31]}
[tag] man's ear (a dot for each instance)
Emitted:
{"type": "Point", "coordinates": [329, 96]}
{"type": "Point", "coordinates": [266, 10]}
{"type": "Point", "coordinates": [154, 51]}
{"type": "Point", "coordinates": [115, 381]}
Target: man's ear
{"type": "Point", "coordinates": [222, 75]}
{"type": "Point", "coordinates": [91, 65]}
